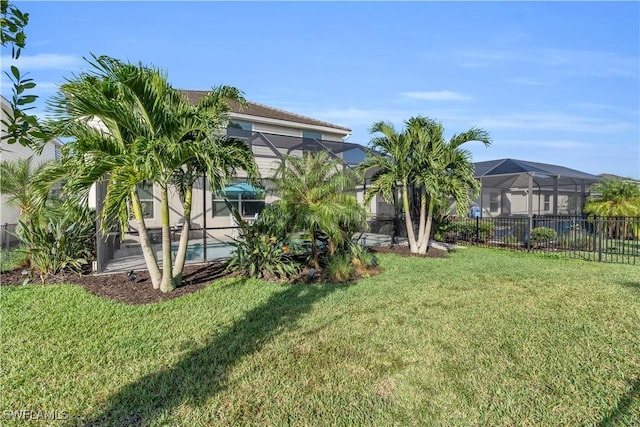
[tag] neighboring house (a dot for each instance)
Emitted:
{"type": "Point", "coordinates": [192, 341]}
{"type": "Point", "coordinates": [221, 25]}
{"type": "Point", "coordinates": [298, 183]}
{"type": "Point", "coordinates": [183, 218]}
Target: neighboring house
{"type": "Point", "coordinates": [512, 187]}
{"type": "Point", "coordinates": [9, 214]}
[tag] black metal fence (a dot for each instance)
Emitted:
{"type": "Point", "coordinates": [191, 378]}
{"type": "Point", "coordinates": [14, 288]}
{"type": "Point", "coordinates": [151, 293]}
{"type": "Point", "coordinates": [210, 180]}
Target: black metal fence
{"type": "Point", "coordinates": [615, 240]}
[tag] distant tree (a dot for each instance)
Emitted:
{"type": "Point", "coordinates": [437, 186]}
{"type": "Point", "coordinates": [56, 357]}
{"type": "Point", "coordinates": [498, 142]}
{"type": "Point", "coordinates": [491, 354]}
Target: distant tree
{"type": "Point", "coordinates": [614, 197]}
{"type": "Point", "coordinates": [21, 127]}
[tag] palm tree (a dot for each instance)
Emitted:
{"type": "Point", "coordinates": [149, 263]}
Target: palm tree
{"type": "Point", "coordinates": [16, 177]}
{"type": "Point", "coordinates": [616, 198]}
{"type": "Point", "coordinates": [391, 155]}
{"type": "Point", "coordinates": [318, 196]}
{"type": "Point", "coordinates": [445, 171]}
{"type": "Point", "coordinates": [419, 160]}
{"type": "Point", "coordinates": [130, 126]}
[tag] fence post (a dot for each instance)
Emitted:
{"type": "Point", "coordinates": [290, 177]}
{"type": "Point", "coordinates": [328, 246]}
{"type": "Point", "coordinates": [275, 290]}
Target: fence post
{"type": "Point", "coordinates": [477, 230]}
{"type": "Point", "coordinates": [528, 233]}
{"type": "Point", "coordinates": [600, 231]}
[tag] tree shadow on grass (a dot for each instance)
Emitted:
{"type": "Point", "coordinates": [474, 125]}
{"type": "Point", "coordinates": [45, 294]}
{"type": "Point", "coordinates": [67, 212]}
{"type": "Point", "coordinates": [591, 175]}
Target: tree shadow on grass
{"type": "Point", "coordinates": [622, 413]}
{"type": "Point", "coordinates": [201, 373]}
{"type": "Point", "coordinates": [634, 285]}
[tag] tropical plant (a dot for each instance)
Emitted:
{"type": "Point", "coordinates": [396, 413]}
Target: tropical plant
{"type": "Point", "coordinates": [16, 178]}
{"type": "Point", "coordinates": [130, 126]}
{"type": "Point", "coordinates": [259, 251]}
{"type": "Point", "coordinates": [319, 197]}
{"type": "Point", "coordinates": [418, 159]}
{"type": "Point", "coordinates": [62, 238]}
{"type": "Point", "coordinates": [616, 198]}
{"type": "Point", "coordinates": [339, 268]}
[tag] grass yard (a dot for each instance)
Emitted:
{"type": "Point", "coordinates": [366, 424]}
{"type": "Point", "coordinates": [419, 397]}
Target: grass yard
{"type": "Point", "coordinates": [484, 337]}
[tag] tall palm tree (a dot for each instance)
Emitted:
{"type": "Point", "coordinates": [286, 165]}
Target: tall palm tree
{"type": "Point", "coordinates": [319, 197]}
{"type": "Point", "coordinates": [391, 156]}
{"type": "Point", "coordinates": [130, 126]}
{"type": "Point", "coordinates": [445, 171]}
{"type": "Point", "coordinates": [419, 159]}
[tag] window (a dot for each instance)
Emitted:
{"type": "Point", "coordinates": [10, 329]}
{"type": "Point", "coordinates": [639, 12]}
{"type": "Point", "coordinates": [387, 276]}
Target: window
{"type": "Point", "coordinates": [239, 129]}
{"type": "Point", "coordinates": [58, 154]}
{"type": "Point", "coordinates": [494, 202]}
{"type": "Point", "coordinates": [547, 202]}
{"type": "Point", "coordinates": [145, 194]}
{"type": "Point", "coordinates": [309, 142]}
{"type": "Point", "coordinates": [311, 135]}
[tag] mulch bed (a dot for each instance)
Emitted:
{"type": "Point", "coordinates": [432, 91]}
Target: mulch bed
{"type": "Point", "coordinates": [119, 286]}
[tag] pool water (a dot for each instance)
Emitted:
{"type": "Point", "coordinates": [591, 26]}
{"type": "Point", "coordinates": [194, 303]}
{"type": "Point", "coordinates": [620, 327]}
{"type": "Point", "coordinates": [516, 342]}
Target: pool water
{"type": "Point", "coordinates": [195, 252]}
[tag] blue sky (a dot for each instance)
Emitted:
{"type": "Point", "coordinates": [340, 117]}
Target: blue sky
{"type": "Point", "coordinates": [553, 82]}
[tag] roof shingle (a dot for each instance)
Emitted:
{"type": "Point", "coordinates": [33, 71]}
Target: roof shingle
{"type": "Point", "coordinates": [260, 110]}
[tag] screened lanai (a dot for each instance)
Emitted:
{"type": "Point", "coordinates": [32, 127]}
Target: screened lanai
{"type": "Point", "coordinates": [512, 187]}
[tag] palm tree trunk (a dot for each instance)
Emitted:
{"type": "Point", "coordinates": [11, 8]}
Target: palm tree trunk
{"type": "Point", "coordinates": [314, 249]}
{"type": "Point", "coordinates": [424, 243]}
{"type": "Point", "coordinates": [167, 272]}
{"type": "Point", "coordinates": [181, 256]}
{"type": "Point", "coordinates": [145, 243]}
{"type": "Point", "coordinates": [423, 213]}
{"type": "Point", "coordinates": [411, 237]}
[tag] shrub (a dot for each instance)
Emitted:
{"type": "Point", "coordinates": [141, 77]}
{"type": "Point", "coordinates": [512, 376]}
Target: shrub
{"type": "Point", "coordinates": [260, 252]}
{"type": "Point", "coordinates": [339, 268]}
{"type": "Point", "coordinates": [543, 234]}
{"type": "Point", "coordinates": [61, 239]}
{"type": "Point", "coordinates": [465, 229]}
{"type": "Point", "coordinates": [362, 257]}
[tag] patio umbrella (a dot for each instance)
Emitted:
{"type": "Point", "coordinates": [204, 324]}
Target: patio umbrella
{"type": "Point", "coordinates": [242, 189]}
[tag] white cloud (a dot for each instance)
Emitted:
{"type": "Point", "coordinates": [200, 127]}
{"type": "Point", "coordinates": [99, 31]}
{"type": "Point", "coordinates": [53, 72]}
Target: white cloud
{"type": "Point", "coordinates": [441, 95]}
{"type": "Point", "coordinates": [552, 121]}
{"type": "Point", "coordinates": [567, 62]}
{"type": "Point", "coordinates": [44, 61]}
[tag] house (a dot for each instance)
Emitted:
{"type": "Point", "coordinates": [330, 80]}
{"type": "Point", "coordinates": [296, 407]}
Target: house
{"type": "Point", "coordinates": [512, 187]}
{"type": "Point", "coordinates": [271, 134]}
{"type": "Point", "coordinates": [51, 151]}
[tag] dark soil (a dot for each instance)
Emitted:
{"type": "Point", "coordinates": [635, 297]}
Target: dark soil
{"type": "Point", "coordinates": [119, 286]}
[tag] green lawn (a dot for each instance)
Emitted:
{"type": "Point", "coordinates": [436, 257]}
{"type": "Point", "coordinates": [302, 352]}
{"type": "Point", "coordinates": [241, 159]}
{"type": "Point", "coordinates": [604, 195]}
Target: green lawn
{"type": "Point", "coordinates": [485, 337]}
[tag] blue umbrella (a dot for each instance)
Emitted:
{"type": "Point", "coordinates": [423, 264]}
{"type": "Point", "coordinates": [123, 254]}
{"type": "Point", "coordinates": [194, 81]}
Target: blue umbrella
{"type": "Point", "coordinates": [242, 189]}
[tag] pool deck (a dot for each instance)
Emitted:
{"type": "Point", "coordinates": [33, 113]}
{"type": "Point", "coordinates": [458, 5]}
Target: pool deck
{"type": "Point", "coordinates": [129, 257]}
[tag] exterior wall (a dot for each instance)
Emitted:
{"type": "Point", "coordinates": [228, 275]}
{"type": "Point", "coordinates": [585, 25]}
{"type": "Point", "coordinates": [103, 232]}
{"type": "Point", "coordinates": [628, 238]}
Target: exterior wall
{"type": "Point", "coordinates": [514, 202]}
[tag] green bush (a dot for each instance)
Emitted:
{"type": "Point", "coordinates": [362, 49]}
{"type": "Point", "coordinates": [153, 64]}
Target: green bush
{"type": "Point", "coordinates": [362, 257]}
{"type": "Point", "coordinates": [543, 234]}
{"type": "Point", "coordinates": [465, 229]}
{"type": "Point", "coordinates": [62, 238]}
{"type": "Point", "coordinates": [339, 268]}
{"type": "Point", "coordinates": [260, 251]}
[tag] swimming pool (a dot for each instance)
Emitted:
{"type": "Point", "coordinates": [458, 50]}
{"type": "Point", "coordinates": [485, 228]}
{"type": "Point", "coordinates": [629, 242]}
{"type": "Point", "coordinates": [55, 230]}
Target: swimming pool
{"type": "Point", "coordinates": [195, 251]}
